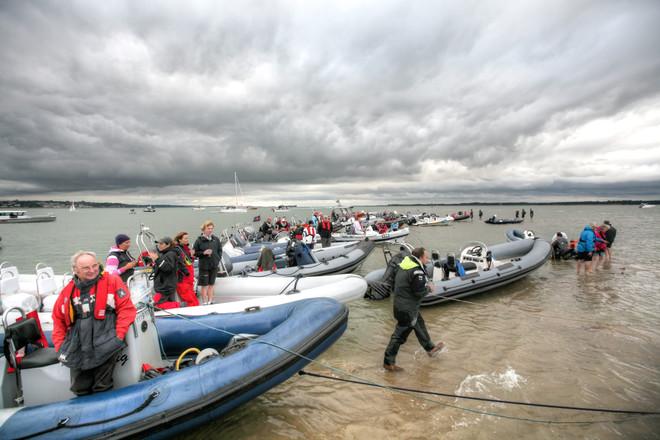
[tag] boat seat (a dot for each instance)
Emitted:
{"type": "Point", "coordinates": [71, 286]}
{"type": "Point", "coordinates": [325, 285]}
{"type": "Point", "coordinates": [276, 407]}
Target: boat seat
{"type": "Point", "coordinates": [40, 357]}
{"type": "Point", "coordinates": [19, 335]}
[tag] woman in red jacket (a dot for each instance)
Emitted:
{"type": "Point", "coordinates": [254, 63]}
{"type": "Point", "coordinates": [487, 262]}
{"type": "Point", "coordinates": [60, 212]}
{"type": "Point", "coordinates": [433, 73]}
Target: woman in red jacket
{"type": "Point", "coordinates": [185, 286]}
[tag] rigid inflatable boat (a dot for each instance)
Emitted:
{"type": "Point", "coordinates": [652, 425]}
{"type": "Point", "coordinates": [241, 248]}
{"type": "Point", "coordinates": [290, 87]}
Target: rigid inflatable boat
{"type": "Point", "coordinates": [247, 354]}
{"type": "Point", "coordinates": [305, 262]}
{"type": "Point", "coordinates": [371, 235]}
{"type": "Point", "coordinates": [494, 220]}
{"type": "Point", "coordinates": [479, 268]}
{"type": "Point", "coordinates": [518, 234]}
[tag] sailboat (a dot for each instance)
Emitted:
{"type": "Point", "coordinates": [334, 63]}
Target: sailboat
{"type": "Point", "coordinates": [237, 191]}
{"type": "Point", "coordinates": [72, 207]}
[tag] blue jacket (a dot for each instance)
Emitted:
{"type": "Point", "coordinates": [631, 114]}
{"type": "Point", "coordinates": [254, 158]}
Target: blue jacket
{"type": "Point", "coordinates": [586, 242]}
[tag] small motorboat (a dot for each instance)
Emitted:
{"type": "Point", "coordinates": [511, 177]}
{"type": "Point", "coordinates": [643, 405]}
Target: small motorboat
{"type": "Point", "coordinates": [22, 217]}
{"type": "Point", "coordinates": [371, 235]}
{"type": "Point", "coordinates": [298, 259]}
{"type": "Point", "coordinates": [131, 211]}
{"type": "Point", "coordinates": [162, 385]}
{"type": "Point", "coordinates": [646, 205]}
{"type": "Point", "coordinates": [517, 234]}
{"type": "Point", "coordinates": [478, 268]}
{"type": "Point", "coordinates": [149, 209]}
{"type": "Point", "coordinates": [460, 215]}
{"type": "Point", "coordinates": [495, 220]}
{"type": "Point", "coordinates": [433, 220]}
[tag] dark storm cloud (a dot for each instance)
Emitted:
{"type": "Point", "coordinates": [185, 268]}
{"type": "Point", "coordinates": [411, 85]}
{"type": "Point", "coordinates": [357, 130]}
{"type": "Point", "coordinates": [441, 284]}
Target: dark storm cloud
{"type": "Point", "coordinates": [321, 100]}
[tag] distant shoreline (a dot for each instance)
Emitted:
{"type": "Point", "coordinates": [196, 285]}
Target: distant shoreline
{"type": "Point", "coordinates": [59, 204]}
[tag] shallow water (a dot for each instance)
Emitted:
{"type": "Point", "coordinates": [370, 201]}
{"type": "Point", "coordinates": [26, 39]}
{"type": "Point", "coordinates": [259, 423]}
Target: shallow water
{"type": "Point", "coordinates": [552, 337]}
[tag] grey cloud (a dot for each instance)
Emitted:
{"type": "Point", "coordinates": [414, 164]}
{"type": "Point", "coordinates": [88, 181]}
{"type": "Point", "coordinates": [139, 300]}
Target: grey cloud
{"type": "Point", "coordinates": [117, 96]}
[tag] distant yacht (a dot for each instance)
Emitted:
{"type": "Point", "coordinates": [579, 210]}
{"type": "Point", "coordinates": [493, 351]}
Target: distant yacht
{"type": "Point", "coordinates": [281, 208]}
{"type": "Point", "coordinates": [72, 207]}
{"type": "Point", "coordinates": [198, 208]}
{"type": "Point", "coordinates": [237, 191]}
{"type": "Point", "coordinates": [149, 209]}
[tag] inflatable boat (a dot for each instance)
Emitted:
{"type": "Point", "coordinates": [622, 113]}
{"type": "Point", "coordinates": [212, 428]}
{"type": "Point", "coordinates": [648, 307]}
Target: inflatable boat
{"type": "Point", "coordinates": [236, 263]}
{"type": "Point", "coordinates": [478, 268]}
{"type": "Point", "coordinates": [163, 384]}
{"type": "Point", "coordinates": [433, 220]}
{"type": "Point", "coordinates": [460, 215]}
{"type": "Point", "coordinates": [494, 220]}
{"type": "Point", "coordinates": [517, 234]}
{"type": "Point", "coordinates": [301, 261]}
{"type": "Point", "coordinates": [371, 235]}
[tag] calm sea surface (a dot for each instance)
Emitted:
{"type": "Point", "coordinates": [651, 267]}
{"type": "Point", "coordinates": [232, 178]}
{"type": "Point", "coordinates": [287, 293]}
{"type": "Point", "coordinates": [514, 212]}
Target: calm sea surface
{"type": "Point", "coordinates": [551, 337]}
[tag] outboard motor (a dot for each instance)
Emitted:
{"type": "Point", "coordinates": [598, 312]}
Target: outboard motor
{"type": "Point", "coordinates": [382, 288]}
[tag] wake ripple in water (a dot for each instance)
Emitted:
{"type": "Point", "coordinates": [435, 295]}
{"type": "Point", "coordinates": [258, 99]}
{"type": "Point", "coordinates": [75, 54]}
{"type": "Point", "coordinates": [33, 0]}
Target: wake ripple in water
{"type": "Point", "coordinates": [485, 382]}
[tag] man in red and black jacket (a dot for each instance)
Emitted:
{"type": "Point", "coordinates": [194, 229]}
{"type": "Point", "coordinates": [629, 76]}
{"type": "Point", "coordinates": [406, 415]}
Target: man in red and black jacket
{"type": "Point", "coordinates": [90, 319]}
{"type": "Point", "coordinates": [325, 231]}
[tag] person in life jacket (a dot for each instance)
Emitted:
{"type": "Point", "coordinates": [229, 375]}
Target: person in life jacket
{"type": "Point", "coordinates": [309, 235]}
{"type": "Point", "coordinates": [90, 319]}
{"type": "Point", "coordinates": [411, 284]}
{"type": "Point", "coordinates": [120, 261]}
{"type": "Point", "coordinates": [185, 286]}
{"type": "Point", "coordinates": [166, 268]}
{"type": "Point", "coordinates": [325, 230]}
{"type": "Point", "coordinates": [266, 229]}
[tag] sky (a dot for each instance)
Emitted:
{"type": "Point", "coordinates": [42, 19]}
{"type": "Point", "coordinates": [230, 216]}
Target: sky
{"type": "Point", "coordinates": [370, 102]}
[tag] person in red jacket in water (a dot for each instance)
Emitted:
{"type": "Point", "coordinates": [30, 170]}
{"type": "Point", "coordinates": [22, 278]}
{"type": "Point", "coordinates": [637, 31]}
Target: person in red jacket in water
{"type": "Point", "coordinates": [90, 319]}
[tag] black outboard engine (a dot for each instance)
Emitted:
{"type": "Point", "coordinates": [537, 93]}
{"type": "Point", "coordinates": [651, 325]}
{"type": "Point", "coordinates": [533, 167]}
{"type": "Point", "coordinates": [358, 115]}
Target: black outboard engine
{"type": "Point", "coordinates": [561, 249]}
{"type": "Point", "coordinates": [382, 288]}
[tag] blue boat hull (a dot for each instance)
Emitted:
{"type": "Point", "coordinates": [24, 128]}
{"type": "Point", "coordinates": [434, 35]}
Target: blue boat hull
{"type": "Point", "coordinates": [196, 394]}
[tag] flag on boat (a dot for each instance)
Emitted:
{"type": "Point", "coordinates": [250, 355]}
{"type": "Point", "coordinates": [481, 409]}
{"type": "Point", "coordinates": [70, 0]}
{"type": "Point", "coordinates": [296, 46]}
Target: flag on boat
{"type": "Point", "coordinates": [257, 219]}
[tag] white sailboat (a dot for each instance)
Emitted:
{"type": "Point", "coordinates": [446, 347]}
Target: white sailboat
{"type": "Point", "coordinates": [237, 191]}
{"type": "Point", "coordinates": [72, 207]}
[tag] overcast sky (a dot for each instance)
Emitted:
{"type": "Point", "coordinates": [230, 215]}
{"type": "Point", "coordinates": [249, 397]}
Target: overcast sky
{"type": "Point", "coordinates": [369, 102]}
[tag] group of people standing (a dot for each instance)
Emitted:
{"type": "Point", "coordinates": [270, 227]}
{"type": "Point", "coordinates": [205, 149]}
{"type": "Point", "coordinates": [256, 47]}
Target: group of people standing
{"type": "Point", "coordinates": [306, 232]}
{"type": "Point", "coordinates": [173, 266]}
{"type": "Point", "coordinates": [594, 247]}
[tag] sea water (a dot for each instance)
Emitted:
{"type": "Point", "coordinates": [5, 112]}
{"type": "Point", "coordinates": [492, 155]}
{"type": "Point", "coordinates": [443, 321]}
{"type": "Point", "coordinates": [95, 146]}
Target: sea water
{"type": "Point", "coordinates": [554, 336]}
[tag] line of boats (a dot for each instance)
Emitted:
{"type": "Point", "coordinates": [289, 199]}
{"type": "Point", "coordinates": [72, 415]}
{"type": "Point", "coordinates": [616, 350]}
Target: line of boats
{"type": "Point", "coordinates": [184, 367]}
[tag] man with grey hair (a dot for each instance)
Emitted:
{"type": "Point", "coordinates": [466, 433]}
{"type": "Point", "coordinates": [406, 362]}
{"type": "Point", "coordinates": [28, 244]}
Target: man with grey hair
{"type": "Point", "coordinates": [90, 319]}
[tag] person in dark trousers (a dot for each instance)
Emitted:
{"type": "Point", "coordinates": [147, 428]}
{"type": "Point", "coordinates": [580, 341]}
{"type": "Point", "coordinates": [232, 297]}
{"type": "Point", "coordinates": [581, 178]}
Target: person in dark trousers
{"type": "Point", "coordinates": [610, 235]}
{"type": "Point", "coordinates": [517, 213]}
{"type": "Point", "coordinates": [411, 284]}
{"type": "Point", "coordinates": [471, 214]}
{"type": "Point", "coordinates": [325, 230]}
{"type": "Point", "coordinates": [481, 214]}
{"type": "Point", "coordinates": [524, 213]}
{"type": "Point", "coordinates": [166, 269]}
{"type": "Point", "coordinates": [90, 319]}
{"type": "Point", "coordinates": [531, 213]}
{"type": "Point", "coordinates": [208, 251]}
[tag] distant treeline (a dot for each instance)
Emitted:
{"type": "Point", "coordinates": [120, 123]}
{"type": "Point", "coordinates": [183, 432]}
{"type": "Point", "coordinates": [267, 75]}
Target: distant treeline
{"type": "Point", "coordinates": [584, 202]}
{"type": "Point", "coordinates": [15, 204]}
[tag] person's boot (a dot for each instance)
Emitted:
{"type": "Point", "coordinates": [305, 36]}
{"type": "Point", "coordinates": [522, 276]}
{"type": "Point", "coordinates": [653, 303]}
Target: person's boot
{"type": "Point", "coordinates": [432, 352]}
{"type": "Point", "coordinates": [393, 368]}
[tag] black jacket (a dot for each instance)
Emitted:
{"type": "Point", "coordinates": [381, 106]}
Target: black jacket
{"type": "Point", "coordinates": [409, 285]}
{"type": "Point", "coordinates": [208, 262]}
{"type": "Point", "coordinates": [165, 271]}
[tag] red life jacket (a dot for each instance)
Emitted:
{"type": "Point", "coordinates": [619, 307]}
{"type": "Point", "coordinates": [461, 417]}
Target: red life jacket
{"type": "Point", "coordinates": [325, 225]}
{"type": "Point", "coordinates": [104, 290]}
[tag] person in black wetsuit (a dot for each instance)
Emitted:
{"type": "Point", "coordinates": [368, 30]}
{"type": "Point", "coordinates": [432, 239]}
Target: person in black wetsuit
{"type": "Point", "coordinates": [411, 284]}
{"type": "Point", "coordinates": [610, 235]}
